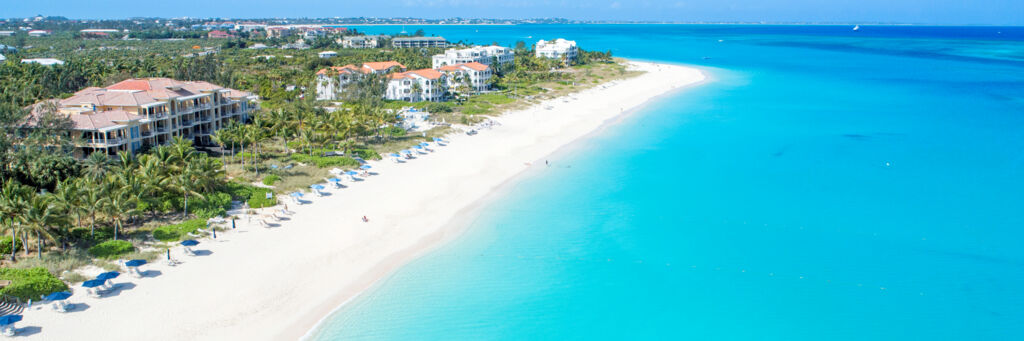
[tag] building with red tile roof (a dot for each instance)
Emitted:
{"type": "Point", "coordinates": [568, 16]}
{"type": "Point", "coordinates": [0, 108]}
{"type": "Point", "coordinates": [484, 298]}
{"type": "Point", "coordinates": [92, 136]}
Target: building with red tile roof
{"type": "Point", "coordinates": [417, 86]}
{"type": "Point", "coordinates": [140, 112]}
{"type": "Point", "coordinates": [468, 77]}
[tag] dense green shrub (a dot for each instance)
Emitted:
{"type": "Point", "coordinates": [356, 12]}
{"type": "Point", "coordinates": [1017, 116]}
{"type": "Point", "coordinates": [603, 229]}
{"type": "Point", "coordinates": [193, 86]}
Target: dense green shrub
{"type": "Point", "coordinates": [326, 161]}
{"type": "Point", "coordinates": [111, 249]}
{"type": "Point", "coordinates": [171, 233]}
{"type": "Point", "coordinates": [30, 283]}
{"type": "Point", "coordinates": [256, 197]}
{"type": "Point", "coordinates": [441, 107]}
{"type": "Point", "coordinates": [366, 154]}
{"type": "Point", "coordinates": [269, 180]}
{"type": "Point", "coordinates": [84, 234]}
{"type": "Point", "coordinates": [211, 205]}
{"type": "Point", "coordinates": [394, 131]}
{"type": "Point", "coordinates": [259, 198]}
{"type": "Point", "coordinates": [5, 245]}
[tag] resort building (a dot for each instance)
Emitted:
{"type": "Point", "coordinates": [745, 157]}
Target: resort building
{"type": "Point", "coordinates": [557, 49]}
{"type": "Point", "coordinates": [419, 42]}
{"type": "Point", "coordinates": [328, 54]}
{"type": "Point", "coordinates": [6, 33]}
{"type": "Point", "coordinates": [43, 61]}
{"type": "Point", "coordinates": [416, 86]}
{"type": "Point", "coordinates": [361, 42]}
{"type": "Point", "coordinates": [468, 77]}
{"type": "Point", "coordinates": [39, 33]}
{"type": "Point", "coordinates": [278, 31]}
{"type": "Point", "coordinates": [332, 81]}
{"type": "Point", "coordinates": [218, 34]}
{"type": "Point", "coordinates": [136, 113]}
{"type": "Point", "coordinates": [479, 54]}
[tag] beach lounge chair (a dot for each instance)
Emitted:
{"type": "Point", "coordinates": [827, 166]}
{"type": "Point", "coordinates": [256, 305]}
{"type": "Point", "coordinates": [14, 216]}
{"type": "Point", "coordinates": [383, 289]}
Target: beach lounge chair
{"type": "Point", "coordinates": [264, 223]}
{"type": "Point", "coordinates": [93, 292]}
{"type": "Point", "coordinates": [173, 262]}
{"type": "Point", "coordinates": [8, 330]}
{"type": "Point", "coordinates": [188, 251]}
{"type": "Point", "coordinates": [317, 193]}
{"type": "Point", "coordinates": [60, 306]}
{"type": "Point", "coordinates": [134, 271]}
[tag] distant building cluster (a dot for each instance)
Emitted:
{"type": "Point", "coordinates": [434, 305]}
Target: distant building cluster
{"type": "Point", "coordinates": [406, 42]}
{"type": "Point", "coordinates": [465, 70]}
{"type": "Point", "coordinates": [137, 113]}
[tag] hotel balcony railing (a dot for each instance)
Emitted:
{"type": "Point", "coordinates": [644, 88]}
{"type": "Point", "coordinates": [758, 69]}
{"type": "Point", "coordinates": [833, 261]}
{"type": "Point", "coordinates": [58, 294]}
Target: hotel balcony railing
{"type": "Point", "coordinates": [161, 129]}
{"type": "Point", "coordinates": [108, 142]}
{"type": "Point", "coordinates": [186, 123]}
{"type": "Point", "coordinates": [147, 133]}
{"type": "Point", "coordinates": [203, 119]}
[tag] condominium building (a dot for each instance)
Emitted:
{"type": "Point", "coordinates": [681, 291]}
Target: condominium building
{"type": "Point", "coordinates": [557, 49]}
{"type": "Point", "coordinates": [332, 81]}
{"type": "Point", "coordinates": [419, 42]}
{"type": "Point", "coordinates": [479, 54]}
{"type": "Point", "coordinates": [136, 113]}
{"type": "Point", "coordinates": [467, 77]}
{"type": "Point", "coordinates": [417, 86]}
{"type": "Point", "coordinates": [361, 42]}
{"type": "Point", "coordinates": [39, 33]}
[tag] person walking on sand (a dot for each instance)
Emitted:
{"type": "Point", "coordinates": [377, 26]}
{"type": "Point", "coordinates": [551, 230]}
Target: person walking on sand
{"type": "Point", "coordinates": [365, 220]}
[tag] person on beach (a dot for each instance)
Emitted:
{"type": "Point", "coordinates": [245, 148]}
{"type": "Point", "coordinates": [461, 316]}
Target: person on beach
{"type": "Point", "coordinates": [365, 220]}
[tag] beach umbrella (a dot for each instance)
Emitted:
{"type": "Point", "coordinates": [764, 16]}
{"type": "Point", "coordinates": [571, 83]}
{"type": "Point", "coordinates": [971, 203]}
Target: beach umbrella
{"type": "Point", "coordinates": [351, 172]}
{"type": "Point", "coordinates": [365, 167]}
{"type": "Point", "coordinates": [406, 151]}
{"type": "Point", "coordinates": [296, 194]}
{"type": "Point", "coordinates": [190, 242]}
{"type": "Point", "coordinates": [93, 283]}
{"type": "Point", "coordinates": [8, 319]}
{"type": "Point", "coordinates": [424, 144]}
{"type": "Point", "coordinates": [273, 166]}
{"type": "Point", "coordinates": [395, 155]}
{"type": "Point", "coordinates": [58, 296]}
{"type": "Point", "coordinates": [418, 147]}
{"type": "Point", "coordinates": [334, 180]}
{"type": "Point", "coordinates": [135, 262]}
{"type": "Point", "coordinates": [438, 139]}
{"type": "Point", "coordinates": [317, 187]}
{"type": "Point", "coordinates": [108, 275]}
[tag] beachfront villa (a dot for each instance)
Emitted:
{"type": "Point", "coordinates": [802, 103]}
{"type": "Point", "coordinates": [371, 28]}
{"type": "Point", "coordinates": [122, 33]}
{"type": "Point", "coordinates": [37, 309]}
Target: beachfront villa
{"type": "Point", "coordinates": [361, 42]}
{"type": "Point", "coordinates": [332, 81]}
{"type": "Point", "coordinates": [486, 55]}
{"type": "Point", "coordinates": [135, 113]}
{"type": "Point", "coordinates": [39, 33]}
{"type": "Point", "coordinates": [419, 42]}
{"type": "Point", "coordinates": [557, 49]}
{"type": "Point", "coordinates": [327, 54]}
{"type": "Point", "coordinates": [468, 77]}
{"type": "Point", "coordinates": [417, 86]}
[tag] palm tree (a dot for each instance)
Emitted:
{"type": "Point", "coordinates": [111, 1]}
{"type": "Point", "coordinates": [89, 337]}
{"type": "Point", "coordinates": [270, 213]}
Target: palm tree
{"type": "Point", "coordinates": [68, 198]}
{"type": "Point", "coordinates": [118, 205]}
{"type": "Point", "coordinates": [95, 166]}
{"type": "Point", "coordinates": [13, 205]}
{"type": "Point", "coordinates": [92, 203]}
{"type": "Point", "coordinates": [38, 217]}
{"type": "Point", "coordinates": [184, 182]}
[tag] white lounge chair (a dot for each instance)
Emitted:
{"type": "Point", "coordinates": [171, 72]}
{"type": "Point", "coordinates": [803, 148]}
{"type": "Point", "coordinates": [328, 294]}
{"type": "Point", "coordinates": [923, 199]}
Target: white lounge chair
{"type": "Point", "coordinates": [8, 330]}
{"type": "Point", "coordinates": [93, 292]}
{"type": "Point", "coordinates": [134, 271]}
{"type": "Point", "coordinates": [60, 306]}
{"type": "Point", "coordinates": [173, 262]}
{"type": "Point", "coordinates": [264, 223]}
{"type": "Point", "coordinates": [188, 251]}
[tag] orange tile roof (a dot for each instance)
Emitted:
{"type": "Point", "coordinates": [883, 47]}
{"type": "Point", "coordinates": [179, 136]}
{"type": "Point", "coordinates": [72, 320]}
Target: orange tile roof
{"type": "Point", "coordinates": [425, 73]}
{"type": "Point", "coordinates": [473, 65]}
{"type": "Point", "coordinates": [340, 69]}
{"type": "Point", "coordinates": [381, 66]}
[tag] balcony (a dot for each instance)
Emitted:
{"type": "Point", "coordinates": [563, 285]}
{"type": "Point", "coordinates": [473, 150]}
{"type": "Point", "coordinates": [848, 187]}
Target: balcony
{"type": "Point", "coordinates": [186, 123]}
{"type": "Point", "coordinates": [161, 130]}
{"type": "Point", "coordinates": [107, 142]}
{"type": "Point", "coordinates": [147, 133]}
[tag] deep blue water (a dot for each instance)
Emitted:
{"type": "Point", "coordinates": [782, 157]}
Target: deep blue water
{"type": "Point", "coordinates": [828, 185]}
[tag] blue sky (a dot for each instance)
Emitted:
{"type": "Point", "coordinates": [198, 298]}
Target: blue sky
{"type": "Point", "coordinates": [990, 12]}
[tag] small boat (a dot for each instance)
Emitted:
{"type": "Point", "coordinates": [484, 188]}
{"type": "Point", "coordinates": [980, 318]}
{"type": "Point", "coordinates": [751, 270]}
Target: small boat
{"type": "Point", "coordinates": [856, 27]}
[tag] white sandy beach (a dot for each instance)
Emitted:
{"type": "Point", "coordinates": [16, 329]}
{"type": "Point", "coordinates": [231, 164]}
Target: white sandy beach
{"type": "Point", "coordinates": [276, 284]}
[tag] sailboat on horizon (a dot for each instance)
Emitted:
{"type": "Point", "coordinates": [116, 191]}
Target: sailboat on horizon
{"type": "Point", "coordinates": [856, 27]}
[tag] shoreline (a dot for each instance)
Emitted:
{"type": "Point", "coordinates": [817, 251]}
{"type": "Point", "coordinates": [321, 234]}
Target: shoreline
{"type": "Point", "coordinates": [455, 228]}
{"type": "Point", "coordinates": [283, 282]}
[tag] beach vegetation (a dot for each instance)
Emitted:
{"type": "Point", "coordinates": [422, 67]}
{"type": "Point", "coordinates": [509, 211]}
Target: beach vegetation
{"type": "Point", "coordinates": [31, 283]}
{"type": "Point", "coordinates": [269, 180]}
{"type": "Point", "coordinates": [111, 248]}
{"type": "Point", "coordinates": [176, 232]}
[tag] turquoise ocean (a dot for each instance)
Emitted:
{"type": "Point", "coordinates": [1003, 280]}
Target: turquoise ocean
{"type": "Point", "coordinates": [826, 185]}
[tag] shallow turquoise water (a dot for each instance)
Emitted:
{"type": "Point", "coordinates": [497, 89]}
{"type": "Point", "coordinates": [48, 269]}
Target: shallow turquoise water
{"type": "Point", "coordinates": [826, 186]}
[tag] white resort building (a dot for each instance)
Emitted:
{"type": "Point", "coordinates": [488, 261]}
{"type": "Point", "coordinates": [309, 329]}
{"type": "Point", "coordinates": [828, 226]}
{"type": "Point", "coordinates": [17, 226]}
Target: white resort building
{"type": "Point", "coordinates": [470, 77]}
{"type": "Point", "coordinates": [147, 112]}
{"type": "Point", "coordinates": [361, 42]}
{"type": "Point", "coordinates": [332, 81]}
{"type": "Point", "coordinates": [557, 49]}
{"type": "Point", "coordinates": [480, 54]}
{"type": "Point", "coordinates": [419, 42]}
{"type": "Point", "coordinates": [416, 86]}
{"type": "Point", "coordinates": [327, 54]}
